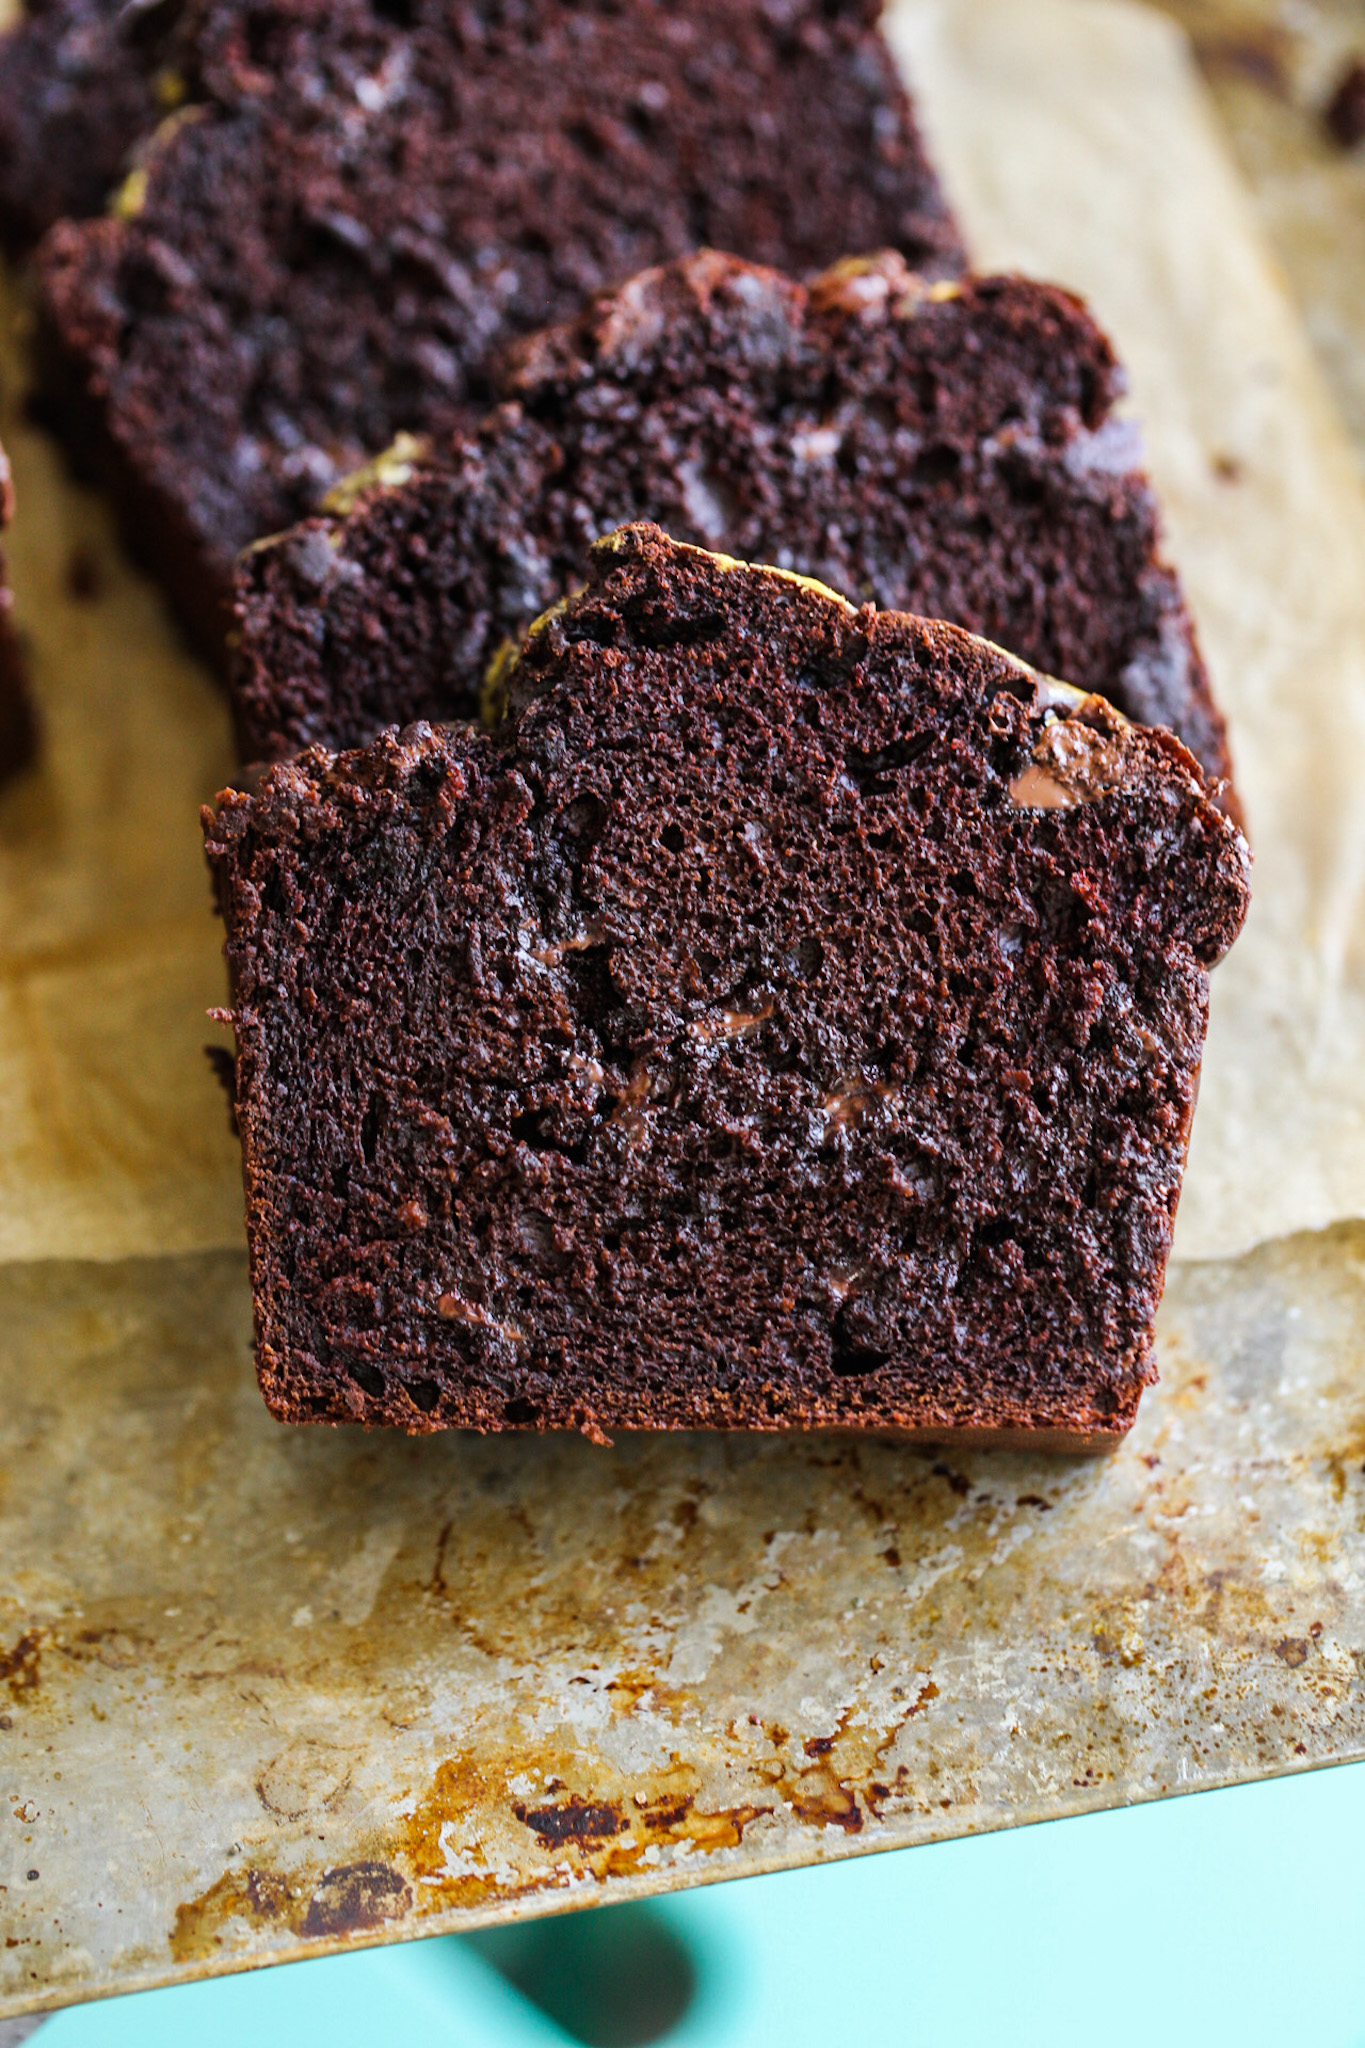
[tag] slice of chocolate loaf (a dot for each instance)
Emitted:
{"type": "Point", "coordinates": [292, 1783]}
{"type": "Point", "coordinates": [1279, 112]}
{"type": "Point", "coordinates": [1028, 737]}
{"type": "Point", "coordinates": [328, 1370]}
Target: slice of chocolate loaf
{"type": "Point", "coordinates": [80, 82]}
{"type": "Point", "coordinates": [950, 450]}
{"type": "Point", "coordinates": [17, 726]}
{"type": "Point", "coordinates": [374, 199]}
{"type": "Point", "coordinates": [789, 1018]}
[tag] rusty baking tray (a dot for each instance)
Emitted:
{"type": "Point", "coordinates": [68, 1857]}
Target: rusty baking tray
{"type": "Point", "coordinates": [267, 1693]}
{"type": "Point", "coordinates": [282, 1691]}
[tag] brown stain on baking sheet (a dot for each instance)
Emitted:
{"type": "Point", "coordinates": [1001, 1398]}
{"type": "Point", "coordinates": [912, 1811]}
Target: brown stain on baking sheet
{"type": "Point", "coordinates": [21, 1665]}
{"type": "Point", "coordinates": [601, 1827]}
{"type": "Point", "coordinates": [350, 1898]}
{"type": "Point", "coordinates": [827, 1802]}
{"type": "Point", "coordinates": [412, 1875]}
{"type": "Point", "coordinates": [256, 1898]}
{"type": "Point", "coordinates": [478, 1836]}
{"type": "Point", "coordinates": [354, 1898]}
{"type": "Point", "coordinates": [584, 1822]}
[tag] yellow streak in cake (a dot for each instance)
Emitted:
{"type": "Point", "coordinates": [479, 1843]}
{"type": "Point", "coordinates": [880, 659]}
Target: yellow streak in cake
{"type": "Point", "coordinates": [611, 544]}
{"type": "Point", "coordinates": [863, 286]}
{"type": "Point", "coordinates": [129, 198]}
{"type": "Point", "coordinates": [393, 467]}
{"type": "Point", "coordinates": [170, 88]}
{"type": "Point", "coordinates": [493, 688]}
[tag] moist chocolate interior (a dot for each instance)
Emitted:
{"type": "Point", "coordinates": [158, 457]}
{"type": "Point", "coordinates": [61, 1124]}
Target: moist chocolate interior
{"type": "Point", "coordinates": [373, 199]}
{"type": "Point", "coordinates": [948, 451]}
{"type": "Point", "coordinates": [733, 1039]}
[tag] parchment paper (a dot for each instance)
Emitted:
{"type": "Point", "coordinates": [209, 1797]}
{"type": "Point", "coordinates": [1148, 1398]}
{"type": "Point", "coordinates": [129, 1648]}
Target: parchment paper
{"type": "Point", "coordinates": [1076, 144]}
{"type": "Point", "coordinates": [113, 1130]}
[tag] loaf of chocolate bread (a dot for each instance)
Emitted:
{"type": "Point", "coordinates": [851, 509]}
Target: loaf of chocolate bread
{"type": "Point", "coordinates": [790, 1017]}
{"type": "Point", "coordinates": [335, 242]}
{"type": "Point", "coordinates": [948, 449]}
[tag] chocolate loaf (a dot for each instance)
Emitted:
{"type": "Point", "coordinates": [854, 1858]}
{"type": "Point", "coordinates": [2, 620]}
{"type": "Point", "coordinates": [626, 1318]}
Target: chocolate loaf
{"type": "Point", "coordinates": [950, 450]}
{"type": "Point", "coordinates": [334, 244]}
{"type": "Point", "coordinates": [790, 1017]}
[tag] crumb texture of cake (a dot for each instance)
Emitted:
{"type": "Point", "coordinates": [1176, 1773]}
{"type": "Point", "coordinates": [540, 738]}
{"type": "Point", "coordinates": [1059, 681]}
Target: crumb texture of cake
{"type": "Point", "coordinates": [368, 202]}
{"type": "Point", "coordinates": [80, 82]}
{"type": "Point", "coordinates": [789, 1018]}
{"type": "Point", "coordinates": [18, 728]}
{"type": "Point", "coordinates": [949, 450]}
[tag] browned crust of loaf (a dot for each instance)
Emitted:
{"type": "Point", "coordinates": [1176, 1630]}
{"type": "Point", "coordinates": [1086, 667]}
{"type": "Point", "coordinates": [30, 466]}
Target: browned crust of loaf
{"type": "Point", "coordinates": [1099, 1439]}
{"type": "Point", "coordinates": [975, 1437]}
{"type": "Point", "coordinates": [1084, 1430]}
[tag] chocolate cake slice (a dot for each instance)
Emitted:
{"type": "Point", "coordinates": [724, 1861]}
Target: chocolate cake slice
{"type": "Point", "coordinates": [17, 727]}
{"type": "Point", "coordinates": [373, 199]}
{"type": "Point", "coordinates": [949, 449]}
{"type": "Point", "coordinates": [80, 82]}
{"type": "Point", "coordinates": [789, 1017]}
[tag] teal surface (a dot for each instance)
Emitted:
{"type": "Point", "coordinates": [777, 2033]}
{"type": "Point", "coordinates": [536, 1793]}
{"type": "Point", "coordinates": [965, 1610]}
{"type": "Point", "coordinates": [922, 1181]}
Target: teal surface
{"type": "Point", "coordinates": [1233, 1917]}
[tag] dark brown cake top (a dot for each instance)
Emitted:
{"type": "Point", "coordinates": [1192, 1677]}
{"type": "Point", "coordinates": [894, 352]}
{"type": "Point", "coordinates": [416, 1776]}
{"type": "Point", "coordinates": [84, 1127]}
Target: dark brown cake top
{"type": "Point", "coordinates": [789, 1017]}
{"type": "Point", "coordinates": [374, 198]}
{"type": "Point", "coordinates": [80, 82]}
{"type": "Point", "coordinates": [949, 449]}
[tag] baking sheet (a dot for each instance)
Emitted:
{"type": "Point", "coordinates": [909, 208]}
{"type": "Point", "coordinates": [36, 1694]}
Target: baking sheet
{"type": "Point", "coordinates": [270, 1692]}
{"type": "Point", "coordinates": [1076, 143]}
